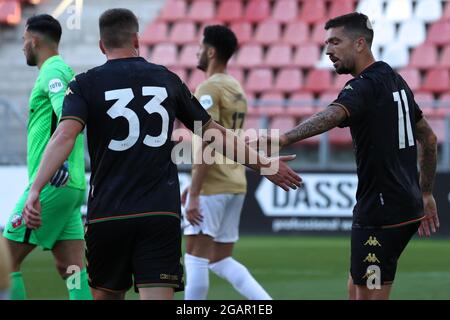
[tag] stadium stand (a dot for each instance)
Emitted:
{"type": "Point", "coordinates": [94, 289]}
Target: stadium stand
{"type": "Point", "coordinates": [282, 55]}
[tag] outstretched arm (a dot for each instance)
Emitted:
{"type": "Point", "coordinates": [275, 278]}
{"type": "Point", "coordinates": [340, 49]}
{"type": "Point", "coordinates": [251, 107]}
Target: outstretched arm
{"type": "Point", "coordinates": [320, 122]}
{"type": "Point", "coordinates": [427, 162]}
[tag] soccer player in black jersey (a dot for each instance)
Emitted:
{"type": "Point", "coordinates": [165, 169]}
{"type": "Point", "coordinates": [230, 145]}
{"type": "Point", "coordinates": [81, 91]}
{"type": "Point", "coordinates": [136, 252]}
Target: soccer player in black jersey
{"type": "Point", "coordinates": [128, 107]}
{"type": "Point", "coordinates": [387, 128]}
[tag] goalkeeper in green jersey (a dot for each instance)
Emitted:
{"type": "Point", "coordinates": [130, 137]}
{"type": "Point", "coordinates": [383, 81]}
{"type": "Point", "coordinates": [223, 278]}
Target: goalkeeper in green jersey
{"type": "Point", "coordinates": [61, 199]}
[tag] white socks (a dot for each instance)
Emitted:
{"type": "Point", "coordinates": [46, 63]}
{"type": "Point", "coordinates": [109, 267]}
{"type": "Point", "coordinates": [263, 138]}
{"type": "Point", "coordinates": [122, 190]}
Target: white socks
{"type": "Point", "coordinates": [241, 279]}
{"type": "Point", "coordinates": [197, 277]}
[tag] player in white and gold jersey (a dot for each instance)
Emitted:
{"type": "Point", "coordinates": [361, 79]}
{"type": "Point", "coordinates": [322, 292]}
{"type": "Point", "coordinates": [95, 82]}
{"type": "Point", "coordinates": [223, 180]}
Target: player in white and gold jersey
{"type": "Point", "coordinates": [217, 192]}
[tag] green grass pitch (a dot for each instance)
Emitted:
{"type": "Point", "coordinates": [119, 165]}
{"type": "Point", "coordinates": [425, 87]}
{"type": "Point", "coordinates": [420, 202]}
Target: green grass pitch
{"type": "Point", "coordinates": [291, 267]}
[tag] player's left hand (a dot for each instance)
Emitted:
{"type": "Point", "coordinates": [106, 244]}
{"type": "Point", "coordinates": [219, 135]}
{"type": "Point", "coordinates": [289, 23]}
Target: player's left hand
{"type": "Point", "coordinates": [281, 175]}
{"type": "Point", "coordinates": [61, 177]}
{"type": "Point", "coordinates": [193, 214]}
{"type": "Point", "coordinates": [32, 210]}
{"type": "Point", "coordinates": [430, 224]}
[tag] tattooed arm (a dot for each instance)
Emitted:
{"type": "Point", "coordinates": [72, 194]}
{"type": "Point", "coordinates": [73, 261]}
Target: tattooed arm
{"type": "Point", "coordinates": [318, 123]}
{"type": "Point", "coordinates": [427, 162]}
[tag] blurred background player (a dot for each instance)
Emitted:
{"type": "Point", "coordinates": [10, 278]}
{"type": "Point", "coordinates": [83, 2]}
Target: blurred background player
{"type": "Point", "coordinates": [217, 191]}
{"type": "Point", "coordinates": [133, 227]}
{"type": "Point", "coordinates": [385, 123]}
{"type": "Point", "coordinates": [5, 270]}
{"type": "Point", "coordinates": [63, 231]}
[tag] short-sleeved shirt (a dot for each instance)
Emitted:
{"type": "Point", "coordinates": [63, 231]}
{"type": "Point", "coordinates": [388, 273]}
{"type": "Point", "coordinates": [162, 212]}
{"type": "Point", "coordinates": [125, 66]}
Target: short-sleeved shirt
{"type": "Point", "coordinates": [382, 116]}
{"type": "Point", "coordinates": [45, 106]}
{"type": "Point", "coordinates": [129, 106]}
{"type": "Point", "coordinates": [224, 99]}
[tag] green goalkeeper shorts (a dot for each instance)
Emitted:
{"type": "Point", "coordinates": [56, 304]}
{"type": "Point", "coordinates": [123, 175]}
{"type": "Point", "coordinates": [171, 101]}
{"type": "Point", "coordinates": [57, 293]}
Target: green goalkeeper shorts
{"type": "Point", "coordinates": [61, 218]}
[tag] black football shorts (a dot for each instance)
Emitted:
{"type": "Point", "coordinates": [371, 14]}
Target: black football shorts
{"type": "Point", "coordinates": [375, 252]}
{"type": "Point", "coordinates": [146, 251]}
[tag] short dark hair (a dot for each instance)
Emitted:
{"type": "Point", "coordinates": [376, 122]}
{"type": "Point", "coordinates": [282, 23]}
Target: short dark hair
{"type": "Point", "coordinates": [356, 23]}
{"type": "Point", "coordinates": [222, 39]}
{"type": "Point", "coordinates": [46, 25]}
{"type": "Point", "coordinates": [117, 26]}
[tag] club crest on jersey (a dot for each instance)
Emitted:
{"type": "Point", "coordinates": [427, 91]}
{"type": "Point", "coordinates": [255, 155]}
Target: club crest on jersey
{"type": "Point", "coordinates": [206, 101]}
{"type": "Point", "coordinates": [16, 221]}
{"type": "Point", "coordinates": [55, 85]}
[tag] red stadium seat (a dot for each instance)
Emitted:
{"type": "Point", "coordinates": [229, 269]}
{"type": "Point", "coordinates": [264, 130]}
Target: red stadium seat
{"type": "Point", "coordinates": [340, 137]}
{"type": "Point", "coordinates": [202, 10]}
{"type": "Point", "coordinates": [252, 122]}
{"type": "Point", "coordinates": [181, 72]}
{"type": "Point", "coordinates": [243, 31]}
{"type": "Point", "coordinates": [341, 7]}
{"type": "Point", "coordinates": [318, 80]}
{"type": "Point", "coordinates": [301, 105]}
{"type": "Point", "coordinates": [259, 80]}
{"type": "Point", "coordinates": [197, 77]}
{"type": "Point", "coordinates": [271, 104]}
{"type": "Point", "coordinates": [306, 55]}
{"type": "Point", "coordinates": [10, 12]}
{"type": "Point", "coordinates": [268, 32]}
{"type": "Point", "coordinates": [424, 57]}
{"type": "Point", "coordinates": [439, 33]}
{"type": "Point", "coordinates": [446, 14]}
{"type": "Point", "coordinates": [437, 80]}
{"type": "Point", "coordinates": [285, 10]}
{"type": "Point", "coordinates": [289, 80]}
{"type": "Point", "coordinates": [296, 33]}
{"type": "Point", "coordinates": [183, 33]}
{"type": "Point", "coordinates": [237, 73]}
{"type": "Point", "coordinates": [445, 57]}
{"type": "Point", "coordinates": [155, 32]}
{"type": "Point", "coordinates": [425, 101]}
{"type": "Point", "coordinates": [412, 78]}
{"type": "Point", "coordinates": [249, 56]}
{"type": "Point", "coordinates": [283, 123]}
{"type": "Point", "coordinates": [438, 126]}
{"type": "Point", "coordinates": [165, 54]}
{"type": "Point", "coordinates": [230, 11]}
{"type": "Point", "coordinates": [444, 105]}
{"type": "Point", "coordinates": [257, 10]}
{"type": "Point", "coordinates": [313, 11]}
{"type": "Point", "coordinates": [173, 10]}
{"type": "Point", "coordinates": [340, 80]}
{"type": "Point", "coordinates": [279, 55]}
{"type": "Point", "coordinates": [319, 33]}
{"type": "Point", "coordinates": [188, 56]}
{"type": "Point", "coordinates": [326, 99]}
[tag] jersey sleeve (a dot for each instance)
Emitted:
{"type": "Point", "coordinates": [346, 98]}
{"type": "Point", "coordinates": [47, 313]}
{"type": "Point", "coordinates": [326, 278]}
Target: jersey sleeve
{"type": "Point", "coordinates": [209, 97]}
{"type": "Point", "coordinates": [55, 85]}
{"type": "Point", "coordinates": [418, 114]}
{"type": "Point", "coordinates": [355, 100]}
{"type": "Point", "coordinates": [189, 109]}
{"type": "Point", "coordinates": [75, 106]}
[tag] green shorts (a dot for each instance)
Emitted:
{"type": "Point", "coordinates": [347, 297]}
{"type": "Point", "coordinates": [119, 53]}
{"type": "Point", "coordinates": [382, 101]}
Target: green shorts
{"type": "Point", "coordinates": [61, 218]}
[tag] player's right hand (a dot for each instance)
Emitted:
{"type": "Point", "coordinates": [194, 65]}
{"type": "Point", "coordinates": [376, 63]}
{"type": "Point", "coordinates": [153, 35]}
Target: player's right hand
{"type": "Point", "coordinates": [32, 210]}
{"type": "Point", "coordinates": [61, 177]}
{"type": "Point", "coordinates": [430, 224]}
{"type": "Point", "coordinates": [284, 177]}
{"type": "Point", "coordinates": [192, 213]}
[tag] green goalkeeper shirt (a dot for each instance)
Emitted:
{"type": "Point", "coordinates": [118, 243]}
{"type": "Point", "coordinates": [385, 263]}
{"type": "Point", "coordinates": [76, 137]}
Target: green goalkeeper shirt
{"type": "Point", "coordinates": [45, 103]}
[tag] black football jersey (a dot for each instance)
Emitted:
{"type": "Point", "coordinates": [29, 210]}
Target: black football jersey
{"type": "Point", "coordinates": [129, 107]}
{"type": "Point", "coordinates": [382, 115]}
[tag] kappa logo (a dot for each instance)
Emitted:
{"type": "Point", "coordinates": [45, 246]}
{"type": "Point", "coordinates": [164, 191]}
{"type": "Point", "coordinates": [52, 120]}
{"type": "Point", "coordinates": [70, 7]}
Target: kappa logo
{"type": "Point", "coordinates": [348, 87]}
{"type": "Point", "coordinates": [372, 241]}
{"type": "Point", "coordinates": [372, 258]}
{"type": "Point", "coordinates": [69, 91]}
